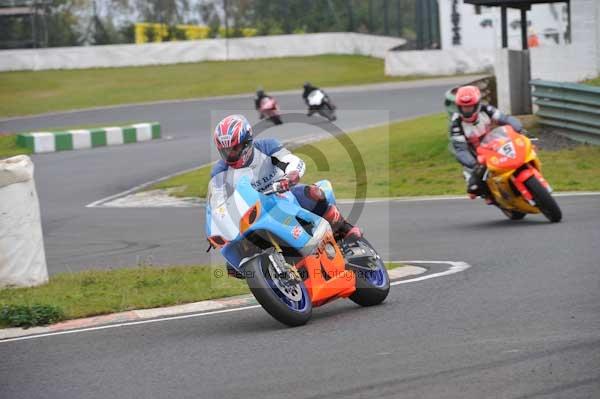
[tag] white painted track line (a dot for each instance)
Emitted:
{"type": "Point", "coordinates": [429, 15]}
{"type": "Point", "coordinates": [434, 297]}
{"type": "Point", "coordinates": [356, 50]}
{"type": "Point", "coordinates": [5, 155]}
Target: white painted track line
{"type": "Point", "coordinates": [455, 267]}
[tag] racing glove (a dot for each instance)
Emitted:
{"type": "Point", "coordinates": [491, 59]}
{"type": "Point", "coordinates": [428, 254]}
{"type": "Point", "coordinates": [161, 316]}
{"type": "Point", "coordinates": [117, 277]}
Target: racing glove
{"type": "Point", "coordinates": [289, 181]}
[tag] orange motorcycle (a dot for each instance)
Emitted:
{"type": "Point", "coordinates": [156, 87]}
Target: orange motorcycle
{"type": "Point", "coordinates": [514, 176]}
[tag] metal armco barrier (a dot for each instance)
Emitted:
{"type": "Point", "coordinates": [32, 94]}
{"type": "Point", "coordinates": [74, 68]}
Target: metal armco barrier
{"type": "Point", "coordinates": [487, 86]}
{"type": "Point", "coordinates": [573, 108]}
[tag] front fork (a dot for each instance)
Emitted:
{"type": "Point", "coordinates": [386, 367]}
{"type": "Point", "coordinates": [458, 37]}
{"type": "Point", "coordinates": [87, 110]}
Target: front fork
{"type": "Point", "coordinates": [287, 273]}
{"type": "Point", "coordinates": [524, 175]}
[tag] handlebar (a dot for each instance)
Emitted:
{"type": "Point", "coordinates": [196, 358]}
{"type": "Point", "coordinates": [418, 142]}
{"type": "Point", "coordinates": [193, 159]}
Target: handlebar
{"type": "Point", "coordinates": [528, 134]}
{"type": "Point", "coordinates": [276, 187]}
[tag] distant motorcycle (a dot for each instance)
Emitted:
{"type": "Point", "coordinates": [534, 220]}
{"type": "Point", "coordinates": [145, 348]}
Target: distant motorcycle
{"type": "Point", "coordinates": [319, 102]}
{"type": "Point", "coordinates": [269, 109]}
{"type": "Point", "coordinates": [514, 177]}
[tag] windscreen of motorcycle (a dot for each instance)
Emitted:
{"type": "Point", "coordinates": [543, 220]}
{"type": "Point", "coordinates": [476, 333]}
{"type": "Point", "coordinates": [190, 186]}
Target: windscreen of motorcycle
{"type": "Point", "coordinates": [500, 141]}
{"type": "Point", "coordinates": [315, 97]}
{"type": "Point", "coordinates": [227, 206]}
{"type": "Point", "coordinates": [497, 135]}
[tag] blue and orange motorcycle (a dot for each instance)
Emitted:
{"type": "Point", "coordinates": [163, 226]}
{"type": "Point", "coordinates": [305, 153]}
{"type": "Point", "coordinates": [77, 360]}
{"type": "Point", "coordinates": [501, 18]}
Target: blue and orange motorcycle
{"type": "Point", "coordinates": [288, 255]}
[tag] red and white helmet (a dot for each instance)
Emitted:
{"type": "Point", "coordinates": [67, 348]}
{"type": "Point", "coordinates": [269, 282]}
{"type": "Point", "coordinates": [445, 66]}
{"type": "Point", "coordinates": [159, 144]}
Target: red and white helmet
{"type": "Point", "coordinates": [468, 102]}
{"type": "Point", "coordinates": [233, 138]}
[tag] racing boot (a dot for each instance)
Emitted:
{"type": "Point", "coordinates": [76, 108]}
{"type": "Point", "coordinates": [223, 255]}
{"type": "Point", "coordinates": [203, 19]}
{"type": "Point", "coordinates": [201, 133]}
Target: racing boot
{"type": "Point", "coordinates": [475, 185]}
{"type": "Point", "coordinates": [475, 190]}
{"type": "Point", "coordinates": [342, 229]}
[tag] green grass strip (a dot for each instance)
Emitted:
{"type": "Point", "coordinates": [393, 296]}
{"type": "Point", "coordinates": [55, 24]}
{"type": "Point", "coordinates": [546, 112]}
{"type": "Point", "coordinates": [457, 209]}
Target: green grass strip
{"type": "Point", "coordinates": [593, 82]}
{"type": "Point", "coordinates": [33, 92]}
{"type": "Point", "coordinates": [407, 158]}
{"type": "Point", "coordinates": [10, 148]}
{"type": "Point", "coordinates": [96, 292]}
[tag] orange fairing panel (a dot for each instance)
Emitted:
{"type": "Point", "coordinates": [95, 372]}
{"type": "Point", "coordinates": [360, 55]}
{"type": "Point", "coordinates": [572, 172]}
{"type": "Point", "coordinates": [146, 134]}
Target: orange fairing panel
{"type": "Point", "coordinates": [328, 278]}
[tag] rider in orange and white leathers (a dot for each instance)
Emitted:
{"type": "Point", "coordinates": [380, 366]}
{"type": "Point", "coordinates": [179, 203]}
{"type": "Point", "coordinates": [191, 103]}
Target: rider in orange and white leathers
{"type": "Point", "coordinates": [468, 126]}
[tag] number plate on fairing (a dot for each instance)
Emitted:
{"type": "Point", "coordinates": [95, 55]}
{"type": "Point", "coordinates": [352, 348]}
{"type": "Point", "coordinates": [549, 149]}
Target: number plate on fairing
{"type": "Point", "coordinates": [508, 150]}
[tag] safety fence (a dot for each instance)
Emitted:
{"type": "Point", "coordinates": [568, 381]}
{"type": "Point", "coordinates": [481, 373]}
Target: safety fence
{"type": "Point", "coordinates": [572, 108]}
{"type": "Point", "coordinates": [487, 86]}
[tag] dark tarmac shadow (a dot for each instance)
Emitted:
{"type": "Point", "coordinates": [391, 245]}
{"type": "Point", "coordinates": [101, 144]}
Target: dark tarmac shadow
{"type": "Point", "coordinates": [506, 223]}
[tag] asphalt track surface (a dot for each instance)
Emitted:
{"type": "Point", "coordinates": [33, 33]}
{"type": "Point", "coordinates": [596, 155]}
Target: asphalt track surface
{"type": "Point", "coordinates": [522, 322]}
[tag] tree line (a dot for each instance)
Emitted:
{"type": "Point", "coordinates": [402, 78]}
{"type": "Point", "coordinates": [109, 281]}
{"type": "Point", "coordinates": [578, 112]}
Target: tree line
{"type": "Point", "coordinates": [94, 22]}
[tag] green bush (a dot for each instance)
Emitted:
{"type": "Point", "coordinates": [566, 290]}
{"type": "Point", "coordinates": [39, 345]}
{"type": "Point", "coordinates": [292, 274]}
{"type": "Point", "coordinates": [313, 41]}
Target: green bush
{"type": "Point", "coordinates": [30, 315]}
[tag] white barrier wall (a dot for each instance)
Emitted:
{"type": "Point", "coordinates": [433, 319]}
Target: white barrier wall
{"type": "Point", "coordinates": [579, 60]}
{"type": "Point", "coordinates": [22, 256]}
{"type": "Point", "coordinates": [572, 63]}
{"type": "Point", "coordinates": [197, 51]}
{"type": "Point", "coordinates": [438, 62]}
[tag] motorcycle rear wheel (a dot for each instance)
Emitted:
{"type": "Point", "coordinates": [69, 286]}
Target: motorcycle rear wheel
{"type": "Point", "coordinates": [327, 111]}
{"type": "Point", "coordinates": [372, 287]}
{"type": "Point", "coordinates": [544, 200]}
{"type": "Point", "coordinates": [292, 308]}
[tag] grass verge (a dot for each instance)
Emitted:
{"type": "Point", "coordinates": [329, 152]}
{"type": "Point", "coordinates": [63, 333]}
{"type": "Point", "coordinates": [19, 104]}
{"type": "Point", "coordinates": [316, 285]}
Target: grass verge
{"type": "Point", "coordinates": [406, 159]}
{"type": "Point", "coordinates": [96, 292]}
{"type": "Point", "coordinates": [9, 147]}
{"type": "Point", "coordinates": [593, 82]}
{"type": "Point", "coordinates": [32, 92]}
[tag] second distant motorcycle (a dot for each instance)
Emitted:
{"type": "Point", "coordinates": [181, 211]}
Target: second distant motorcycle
{"type": "Point", "coordinates": [318, 101]}
{"type": "Point", "coordinates": [267, 107]}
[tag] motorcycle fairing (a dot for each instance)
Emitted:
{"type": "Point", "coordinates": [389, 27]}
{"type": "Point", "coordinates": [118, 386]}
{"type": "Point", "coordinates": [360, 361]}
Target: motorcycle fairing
{"type": "Point", "coordinates": [280, 215]}
{"type": "Point", "coordinates": [510, 167]}
{"type": "Point", "coordinates": [315, 98]}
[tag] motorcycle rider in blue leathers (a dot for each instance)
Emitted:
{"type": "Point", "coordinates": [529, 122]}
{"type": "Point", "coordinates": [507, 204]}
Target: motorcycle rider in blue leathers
{"type": "Point", "coordinates": [269, 162]}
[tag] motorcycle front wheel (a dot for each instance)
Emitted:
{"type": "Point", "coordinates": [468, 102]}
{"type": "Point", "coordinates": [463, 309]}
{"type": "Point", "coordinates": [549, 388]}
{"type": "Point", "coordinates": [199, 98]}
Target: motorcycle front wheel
{"type": "Point", "coordinates": [290, 305]}
{"type": "Point", "coordinates": [544, 200]}
{"type": "Point", "coordinates": [276, 120]}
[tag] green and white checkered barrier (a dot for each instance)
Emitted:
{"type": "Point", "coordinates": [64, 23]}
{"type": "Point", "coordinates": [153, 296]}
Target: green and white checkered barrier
{"type": "Point", "coordinates": [88, 138]}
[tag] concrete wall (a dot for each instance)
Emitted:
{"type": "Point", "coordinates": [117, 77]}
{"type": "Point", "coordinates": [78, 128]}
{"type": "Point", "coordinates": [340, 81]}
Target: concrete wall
{"type": "Point", "coordinates": [571, 63]}
{"type": "Point", "coordinates": [196, 51]}
{"type": "Point", "coordinates": [512, 72]}
{"type": "Point", "coordinates": [438, 62]}
{"type": "Point", "coordinates": [567, 63]}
